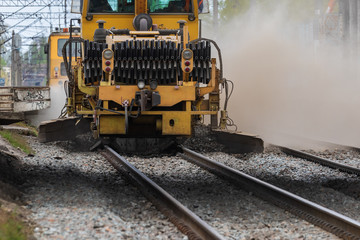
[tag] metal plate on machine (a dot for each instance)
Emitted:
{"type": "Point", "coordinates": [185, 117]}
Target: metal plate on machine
{"type": "Point", "coordinates": [238, 142]}
{"type": "Point", "coordinates": [176, 123]}
{"type": "Point", "coordinates": [170, 95]}
{"type": "Point", "coordinates": [112, 125]}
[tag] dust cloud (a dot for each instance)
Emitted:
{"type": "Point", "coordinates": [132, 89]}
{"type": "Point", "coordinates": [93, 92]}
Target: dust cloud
{"type": "Point", "coordinates": [286, 89]}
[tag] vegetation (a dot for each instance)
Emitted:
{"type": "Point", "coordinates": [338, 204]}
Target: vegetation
{"type": "Point", "coordinates": [35, 54]}
{"type": "Point", "coordinates": [32, 129]}
{"type": "Point", "coordinates": [17, 141]}
{"type": "Point", "coordinates": [11, 228]}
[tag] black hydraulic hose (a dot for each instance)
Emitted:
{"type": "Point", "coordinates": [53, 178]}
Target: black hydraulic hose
{"type": "Point", "coordinates": [217, 48]}
{"type": "Point", "coordinates": [230, 122]}
{"type": "Point", "coordinates": [66, 63]}
{"type": "Point", "coordinates": [169, 31]}
{"type": "Point", "coordinates": [225, 84]}
{"type": "Point", "coordinates": [120, 31]}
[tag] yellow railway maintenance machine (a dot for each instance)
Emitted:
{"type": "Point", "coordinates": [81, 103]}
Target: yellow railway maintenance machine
{"type": "Point", "coordinates": [56, 67]}
{"type": "Point", "coordinates": [144, 76]}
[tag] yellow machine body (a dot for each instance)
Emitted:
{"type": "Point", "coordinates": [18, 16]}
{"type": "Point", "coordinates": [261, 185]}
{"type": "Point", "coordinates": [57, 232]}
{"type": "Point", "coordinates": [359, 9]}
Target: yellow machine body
{"type": "Point", "coordinates": [56, 68]}
{"type": "Point", "coordinates": [125, 20]}
{"type": "Point", "coordinates": [124, 109]}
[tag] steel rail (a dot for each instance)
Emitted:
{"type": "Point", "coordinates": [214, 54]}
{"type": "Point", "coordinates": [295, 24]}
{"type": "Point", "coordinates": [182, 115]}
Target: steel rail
{"type": "Point", "coordinates": [187, 221]}
{"type": "Point", "coordinates": [327, 219]}
{"type": "Point", "coordinates": [319, 160]}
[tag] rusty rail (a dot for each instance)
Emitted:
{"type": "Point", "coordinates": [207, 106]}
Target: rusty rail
{"type": "Point", "coordinates": [319, 160]}
{"type": "Point", "coordinates": [327, 219]}
{"type": "Point", "coordinates": [187, 222]}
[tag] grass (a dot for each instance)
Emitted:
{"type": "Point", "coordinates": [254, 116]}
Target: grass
{"type": "Point", "coordinates": [17, 141]}
{"type": "Point", "coordinates": [32, 129]}
{"type": "Point", "coordinates": [11, 228]}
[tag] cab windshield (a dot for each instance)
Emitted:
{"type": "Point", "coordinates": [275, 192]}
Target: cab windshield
{"type": "Point", "coordinates": [111, 6]}
{"type": "Point", "coordinates": [170, 6]}
{"type": "Point", "coordinates": [61, 43]}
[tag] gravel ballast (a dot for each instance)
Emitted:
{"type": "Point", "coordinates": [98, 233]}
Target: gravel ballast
{"type": "Point", "coordinates": [307, 179]}
{"type": "Point", "coordinates": [343, 156]}
{"type": "Point", "coordinates": [79, 195]}
{"type": "Point", "coordinates": [231, 211]}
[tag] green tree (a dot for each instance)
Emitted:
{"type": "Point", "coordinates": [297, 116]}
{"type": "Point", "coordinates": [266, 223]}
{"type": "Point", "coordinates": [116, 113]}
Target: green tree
{"type": "Point", "coordinates": [35, 54]}
{"type": "Point", "coordinates": [232, 8]}
{"type": "Point", "coordinates": [34, 63]}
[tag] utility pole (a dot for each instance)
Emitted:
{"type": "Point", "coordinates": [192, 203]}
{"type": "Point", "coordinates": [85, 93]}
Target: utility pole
{"type": "Point", "coordinates": [15, 60]}
{"type": "Point", "coordinates": [2, 29]}
{"type": "Point", "coordinates": [216, 14]}
{"type": "Point", "coordinates": [65, 11]}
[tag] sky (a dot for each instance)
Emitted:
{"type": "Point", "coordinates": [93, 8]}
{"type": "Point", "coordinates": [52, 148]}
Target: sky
{"type": "Point", "coordinates": [33, 18]}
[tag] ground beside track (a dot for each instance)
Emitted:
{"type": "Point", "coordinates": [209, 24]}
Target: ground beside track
{"type": "Point", "coordinates": [78, 195]}
{"type": "Point", "coordinates": [15, 220]}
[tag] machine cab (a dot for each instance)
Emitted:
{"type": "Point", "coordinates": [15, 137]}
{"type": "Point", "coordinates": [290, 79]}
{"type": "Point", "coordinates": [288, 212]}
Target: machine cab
{"type": "Point", "coordinates": [165, 14]}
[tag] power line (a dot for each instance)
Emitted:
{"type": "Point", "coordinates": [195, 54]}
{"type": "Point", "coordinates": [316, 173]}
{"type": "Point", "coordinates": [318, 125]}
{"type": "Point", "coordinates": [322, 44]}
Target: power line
{"type": "Point", "coordinates": [31, 14]}
{"type": "Point", "coordinates": [34, 15]}
{"type": "Point", "coordinates": [21, 3]}
{"type": "Point", "coordinates": [5, 17]}
{"type": "Point", "coordinates": [47, 12]}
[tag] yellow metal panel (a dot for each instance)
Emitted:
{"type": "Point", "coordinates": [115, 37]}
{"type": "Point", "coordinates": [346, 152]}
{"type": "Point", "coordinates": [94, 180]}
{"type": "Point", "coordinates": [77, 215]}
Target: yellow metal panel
{"type": "Point", "coordinates": [54, 45]}
{"type": "Point", "coordinates": [181, 123]}
{"type": "Point", "coordinates": [185, 36]}
{"type": "Point", "coordinates": [55, 60]}
{"type": "Point", "coordinates": [170, 22]}
{"type": "Point", "coordinates": [112, 124]}
{"type": "Point", "coordinates": [112, 20]}
{"type": "Point", "coordinates": [140, 6]}
{"type": "Point", "coordinates": [169, 94]}
{"type": "Point", "coordinates": [81, 85]}
{"type": "Point", "coordinates": [139, 33]}
{"type": "Point", "coordinates": [54, 81]}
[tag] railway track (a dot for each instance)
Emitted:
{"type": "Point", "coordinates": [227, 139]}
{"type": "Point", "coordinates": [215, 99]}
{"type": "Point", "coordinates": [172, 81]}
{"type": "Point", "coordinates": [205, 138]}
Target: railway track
{"type": "Point", "coordinates": [194, 227]}
{"type": "Point", "coordinates": [187, 222]}
{"type": "Point", "coordinates": [329, 220]}
{"type": "Point", "coordinates": [319, 160]}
